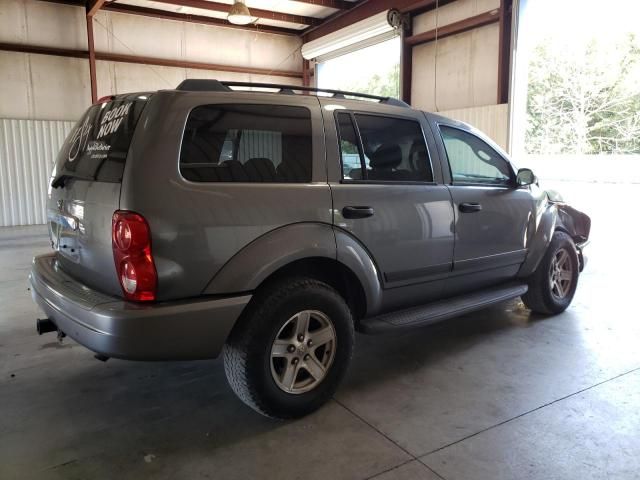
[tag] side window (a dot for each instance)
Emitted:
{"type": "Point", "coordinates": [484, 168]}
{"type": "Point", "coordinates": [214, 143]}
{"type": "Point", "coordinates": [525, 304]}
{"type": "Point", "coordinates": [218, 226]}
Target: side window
{"type": "Point", "coordinates": [472, 160]}
{"type": "Point", "coordinates": [349, 149]}
{"type": "Point", "coordinates": [247, 143]}
{"type": "Point", "coordinates": [394, 149]}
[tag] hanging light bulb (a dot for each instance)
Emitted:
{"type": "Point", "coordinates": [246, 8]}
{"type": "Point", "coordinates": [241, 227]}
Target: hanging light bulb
{"type": "Point", "coordinates": [239, 14]}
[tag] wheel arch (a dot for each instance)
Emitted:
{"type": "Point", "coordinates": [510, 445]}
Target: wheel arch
{"type": "Point", "coordinates": [329, 271]}
{"type": "Point", "coordinates": [314, 249]}
{"type": "Point", "coordinates": [546, 226]}
{"type": "Point", "coordinates": [556, 217]}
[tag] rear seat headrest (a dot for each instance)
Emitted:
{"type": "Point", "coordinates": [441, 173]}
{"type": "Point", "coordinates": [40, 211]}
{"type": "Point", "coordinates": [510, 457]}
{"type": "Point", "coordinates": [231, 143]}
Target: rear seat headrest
{"type": "Point", "coordinates": [388, 155]}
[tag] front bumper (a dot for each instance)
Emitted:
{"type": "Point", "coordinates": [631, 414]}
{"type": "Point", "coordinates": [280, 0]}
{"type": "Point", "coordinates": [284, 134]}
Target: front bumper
{"type": "Point", "coordinates": [183, 330]}
{"type": "Point", "coordinates": [582, 258]}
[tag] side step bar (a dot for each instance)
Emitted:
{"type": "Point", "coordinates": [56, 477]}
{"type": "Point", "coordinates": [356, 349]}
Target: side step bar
{"type": "Point", "coordinates": [441, 310]}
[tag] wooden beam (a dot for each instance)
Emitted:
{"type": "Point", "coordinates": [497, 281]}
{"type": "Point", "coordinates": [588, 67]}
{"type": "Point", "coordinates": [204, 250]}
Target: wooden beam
{"type": "Point", "coordinates": [504, 50]}
{"type": "Point", "coordinates": [116, 57]}
{"type": "Point", "coordinates": [93, 6]}
{"type": "Point", "coordinates": [256, 12]}
{"type": "Point", "coordinates": [92, 59]}
{"type": "Point", "coordinates": [306, 77]}
{"type": "Point", "coordinates": [201, 19]}
{"type": "Point", "coordinates": [75, 3]}
{"type": "Point", "coordinates": [454, 28]}
{"type": "Point", "coordinates": [58, 52]}
{"type": "Point", "coordinates": [406, 64]}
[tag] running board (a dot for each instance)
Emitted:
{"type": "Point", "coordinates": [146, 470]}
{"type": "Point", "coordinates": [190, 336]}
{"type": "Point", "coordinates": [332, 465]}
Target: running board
{"type": "Point", "coordinates": [441, 310]}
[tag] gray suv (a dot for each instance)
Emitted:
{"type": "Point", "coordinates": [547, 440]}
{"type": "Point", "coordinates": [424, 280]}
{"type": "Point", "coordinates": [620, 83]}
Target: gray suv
{"type": "Point", "coordinates": [268, 226]}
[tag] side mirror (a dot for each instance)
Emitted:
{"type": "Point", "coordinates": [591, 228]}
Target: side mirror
{"type": "Point", "coordinates": [525, 177]}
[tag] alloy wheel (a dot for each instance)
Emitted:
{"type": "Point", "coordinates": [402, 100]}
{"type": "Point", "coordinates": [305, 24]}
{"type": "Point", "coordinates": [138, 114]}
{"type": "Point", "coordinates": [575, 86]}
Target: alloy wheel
{"type": "Point", "coordinates": [303, 351]}
{"type": "Point", "coordinates": [561, 274]}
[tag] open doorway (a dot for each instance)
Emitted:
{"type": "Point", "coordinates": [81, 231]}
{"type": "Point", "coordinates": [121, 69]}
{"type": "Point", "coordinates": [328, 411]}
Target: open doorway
{"type": "Point", "coordinates": [576, 117]}
{"type": "Point", "coordinates": [577, 90]}
{"type": "Point", "coordinates": [374, 69]}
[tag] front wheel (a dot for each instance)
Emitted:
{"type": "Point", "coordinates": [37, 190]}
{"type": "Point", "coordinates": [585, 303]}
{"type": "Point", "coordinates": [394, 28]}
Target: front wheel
{"type": "Point", "coordinates": [288, 353]}
{"type": "Point", "coordinates": [553, 284]}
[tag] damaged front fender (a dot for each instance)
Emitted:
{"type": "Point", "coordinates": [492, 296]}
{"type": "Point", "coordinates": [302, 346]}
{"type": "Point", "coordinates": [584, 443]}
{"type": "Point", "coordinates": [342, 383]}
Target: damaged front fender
{"type": "Point", "coordinates": [554, 215]}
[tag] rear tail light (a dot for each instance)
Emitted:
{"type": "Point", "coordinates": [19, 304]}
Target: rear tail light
{"type": "Point", "coordinates": [131, 241]}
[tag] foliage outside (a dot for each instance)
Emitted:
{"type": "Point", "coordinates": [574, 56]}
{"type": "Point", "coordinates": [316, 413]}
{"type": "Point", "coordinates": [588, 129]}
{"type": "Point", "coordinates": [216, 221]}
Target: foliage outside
{"type": "Point", "coordinates": [385, 85]}
{"type": "Point", "coordinates": [584, 99]}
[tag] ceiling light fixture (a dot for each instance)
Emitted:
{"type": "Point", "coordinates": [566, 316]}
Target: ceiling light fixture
{"type": "Point", "coordinates": [239, 14]}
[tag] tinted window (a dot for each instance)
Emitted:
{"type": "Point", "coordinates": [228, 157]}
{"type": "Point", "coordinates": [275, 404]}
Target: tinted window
{"type": "Point", "coordinates": [393, 149]}
{"type": "Point", "coordinates": [349, 150]}
{"type": "Point", "coordinates": [247, 143]}
{"type": "Point", "coordinates": [472, 160]}
{"type": "Point", "coordinates": [97, 146]}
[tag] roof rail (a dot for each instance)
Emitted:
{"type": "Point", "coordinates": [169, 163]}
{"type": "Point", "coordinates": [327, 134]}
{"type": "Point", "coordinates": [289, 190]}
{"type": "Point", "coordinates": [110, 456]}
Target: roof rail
{"type": "Point", "coordinates": [203, 85]}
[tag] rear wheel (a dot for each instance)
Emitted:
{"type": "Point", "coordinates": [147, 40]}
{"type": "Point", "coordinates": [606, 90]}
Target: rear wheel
{"type": "Point", "coordinates": [553, 284]}
{"type": "Point", "coordinates": [288, 353]}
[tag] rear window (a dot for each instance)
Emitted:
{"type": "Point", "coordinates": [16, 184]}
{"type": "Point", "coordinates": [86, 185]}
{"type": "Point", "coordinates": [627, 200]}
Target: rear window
{"type": "Point", "coordinates": [97, 147]}
{"type": "Point", "coordinates": [247, 143]}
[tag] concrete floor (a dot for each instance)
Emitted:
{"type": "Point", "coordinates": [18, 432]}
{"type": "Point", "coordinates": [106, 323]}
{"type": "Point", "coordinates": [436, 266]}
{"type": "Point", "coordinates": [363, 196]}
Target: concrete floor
{"type": "Point", "coordinates": [499, 394]}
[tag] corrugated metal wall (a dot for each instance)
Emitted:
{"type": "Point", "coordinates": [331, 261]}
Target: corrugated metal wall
{"type": "Point", "coordinates": [28, 149]}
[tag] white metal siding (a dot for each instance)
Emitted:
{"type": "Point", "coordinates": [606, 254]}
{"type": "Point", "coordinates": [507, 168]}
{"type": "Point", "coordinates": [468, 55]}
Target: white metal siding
{"type": "Point", "coordinates": [28, 149]}
{"type": "Point", "coordinates": [493, 120]}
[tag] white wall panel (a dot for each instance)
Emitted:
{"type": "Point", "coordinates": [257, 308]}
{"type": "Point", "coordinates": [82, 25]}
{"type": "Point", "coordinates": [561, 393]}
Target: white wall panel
{"type": "Point", "coordinates": [490, 119]}
{"type": "Point", "coordinates": [229, 46]}
{"type": "Point", "coordinates": [42, 23]}
{"type": "Point", "coordinates": [114, 77]}
{"type": "Point", "coordinates": [28, 149]}
{"type": "Point", "coordinates": [465, 75]}
{"type": "Point", "coordinates": [453, 12]}
{"type": "Point", "coordinates": [137, 35]}
{"type": "Point", "coordinates": [58, 88]}
{"type": "Point", "coordinates": [43, 86]}
{"type": "Point", "coordinates": [15, 100]}
{"type": "Point", "coordinates": [153, 37]}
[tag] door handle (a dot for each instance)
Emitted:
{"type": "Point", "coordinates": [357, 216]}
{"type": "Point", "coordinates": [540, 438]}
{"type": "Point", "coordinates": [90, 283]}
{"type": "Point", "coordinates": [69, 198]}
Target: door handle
{"type": "Point", "coordinates": [357, 212]}
{"type": "Point", "coordinates": [470, 207]}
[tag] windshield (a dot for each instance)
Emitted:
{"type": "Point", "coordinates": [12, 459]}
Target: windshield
{"type": "Point", "coordinates": [96, 149]}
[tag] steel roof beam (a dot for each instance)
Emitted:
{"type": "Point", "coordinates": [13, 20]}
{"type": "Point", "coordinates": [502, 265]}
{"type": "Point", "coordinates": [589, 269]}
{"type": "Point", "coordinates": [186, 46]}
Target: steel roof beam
{"type": "Point", "coordinates": [93, 6]}
{"type": "Point", "coordinates": [255, 12]}
{"type": "Point", "coordinates": [201, 19]}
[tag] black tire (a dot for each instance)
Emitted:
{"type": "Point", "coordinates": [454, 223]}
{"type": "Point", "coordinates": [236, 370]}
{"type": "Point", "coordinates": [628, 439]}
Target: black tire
{"type": "Point", "coordinates": [247, 353]}
{"type": "Point", "coordinates": [540, 298]}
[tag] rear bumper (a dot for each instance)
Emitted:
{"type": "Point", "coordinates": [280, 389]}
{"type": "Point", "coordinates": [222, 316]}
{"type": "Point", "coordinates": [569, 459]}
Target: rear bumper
{"type": "Point", "coordinates": [184, 330]}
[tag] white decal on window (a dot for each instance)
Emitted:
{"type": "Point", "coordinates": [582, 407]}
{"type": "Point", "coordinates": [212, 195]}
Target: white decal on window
{"type": "Point", "coordinates": [79, 140]}
{"type": "Point", "coordinates": [112, 120]}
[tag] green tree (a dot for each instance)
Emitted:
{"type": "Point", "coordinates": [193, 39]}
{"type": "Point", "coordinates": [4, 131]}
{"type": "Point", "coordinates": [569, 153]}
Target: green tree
{"type": "Point", "coordinates": [584, 99]}
{"type": "Point", "coordinates": [385, 85]}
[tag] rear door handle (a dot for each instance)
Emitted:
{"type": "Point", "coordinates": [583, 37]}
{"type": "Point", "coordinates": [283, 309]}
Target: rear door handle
{"type": "Point", "coordinates": [470, 207]}
{"type": "Point", "coordinates": [357, 212]}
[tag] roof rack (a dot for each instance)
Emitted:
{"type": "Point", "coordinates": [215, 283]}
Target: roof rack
{"type": "Point", "coordinates": [202, 85]}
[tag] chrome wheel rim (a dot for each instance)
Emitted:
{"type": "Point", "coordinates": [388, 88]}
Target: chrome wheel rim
{"type": "Point", "coordinates": [561, 274]}
{"type": "Point", "coordinates": [303, 351]}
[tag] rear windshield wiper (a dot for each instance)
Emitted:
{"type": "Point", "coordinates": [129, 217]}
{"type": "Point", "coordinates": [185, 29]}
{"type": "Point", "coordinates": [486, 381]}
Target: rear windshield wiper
{"type": "Point", "coordinates": [65, 175]}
